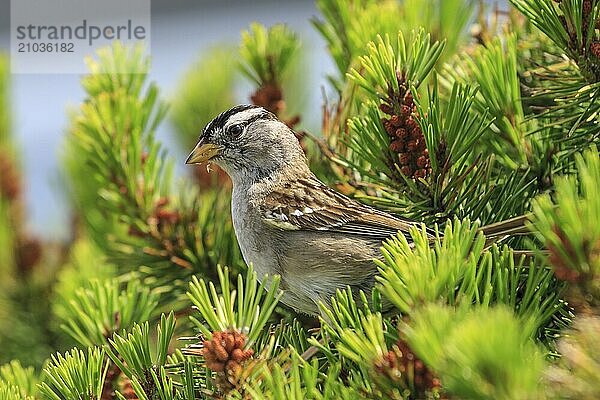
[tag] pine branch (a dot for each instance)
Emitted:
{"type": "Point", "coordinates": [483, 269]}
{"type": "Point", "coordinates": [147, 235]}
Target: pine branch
{"type": "Point", "coordinates": [122, 184]}
{"type": "Point", "coordinates": [24, 380]}
{"type": "Point", "coordinates": [244, 308]}
{"type": "Point", "coordinates": [568, 89]}
{"type": "Point", "coordinates": [571, 24]}
{"type": "Point", "coordinates": [11, 392]}
{"type": "Point", "coordinates": [452, 341]}
{"type": "Point", "coordinates": [569, 226]}
{"type": "Point", "coordinates": [131, 353]}
{"type": "Point", "coordinates": [267, 53]}
{"type": "Point", "coordinates": [74, 375]}
{"type": "Point", "coordinates": [456, 270]}
{"type": "Point", "coordinates": [268, 56]}
{"type": "Point", "coordinates": [300, 380]}
{"type": "Point", "coordinates": [494, 68]}
{"type": "Point", "coordinates": [95, 312]}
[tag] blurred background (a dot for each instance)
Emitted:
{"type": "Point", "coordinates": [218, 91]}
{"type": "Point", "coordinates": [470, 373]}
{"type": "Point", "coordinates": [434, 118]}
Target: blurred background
{"type": "Point", "coordinates": [181, 32]}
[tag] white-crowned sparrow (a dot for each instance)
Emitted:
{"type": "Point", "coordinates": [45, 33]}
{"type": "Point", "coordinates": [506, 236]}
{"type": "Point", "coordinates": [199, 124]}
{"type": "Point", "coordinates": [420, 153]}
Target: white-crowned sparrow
{"type": "Point", "coordinates": [286, 220]}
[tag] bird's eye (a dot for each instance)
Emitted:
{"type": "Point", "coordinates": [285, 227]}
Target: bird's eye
{"type": "Point", "coordinates": [236, 130]}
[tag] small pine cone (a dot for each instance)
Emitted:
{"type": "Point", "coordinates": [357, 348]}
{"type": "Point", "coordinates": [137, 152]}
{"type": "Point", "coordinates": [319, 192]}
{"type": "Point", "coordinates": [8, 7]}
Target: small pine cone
{"type": "Point", "coordinates": [401, 133]}
{"type": "Point", "coordinates": [420, 173]}
{"type": "Point", "coordinates": [405, 111]}
{"type": "Point", "coordinates": [422, 161]}
{"type": "Point", "coordinates": [395, 122]}
{"type": "Point", "coordinates": [409, 100]}
{"type": "Point", "coordinates": [586, 8]}
{"type": "Point", "coordinates": [595, 49]}
{"type": "Point", "coordinates": [401, 365]}
{"type": "Point", "coordinates": [413, 126]}
{"type": "Point", "coordinates": [387, 109]}
{"type": "Point", "coordinates": [413, 145]}
{"type": "Point", "coordinates": [404, 158]}
{"type": "Point", "coordinates": [225, 351]}
{"type": "Point", "coordinates": [144, 157]}
{"type": "Point", "coordinates": [387, 125]}
{"type": "Point", "coordinates": [406, 171]}
{"type": "Point", "coordinates": [270, 97]}
{"type": "Point", "coordinates": [397, 146]}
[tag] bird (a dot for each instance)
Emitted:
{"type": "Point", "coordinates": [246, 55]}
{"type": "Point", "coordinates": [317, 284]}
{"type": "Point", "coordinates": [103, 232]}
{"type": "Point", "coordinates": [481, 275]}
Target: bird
{"type": "Point", "coordinates": [289, 223]}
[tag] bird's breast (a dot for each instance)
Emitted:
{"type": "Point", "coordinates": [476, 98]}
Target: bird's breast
{"type": "Point", "coordinates": [256, 241]}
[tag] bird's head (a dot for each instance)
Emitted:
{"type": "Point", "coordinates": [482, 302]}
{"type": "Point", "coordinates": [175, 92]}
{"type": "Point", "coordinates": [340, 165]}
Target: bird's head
{"type": "Point", "coordinates": [248, 141]}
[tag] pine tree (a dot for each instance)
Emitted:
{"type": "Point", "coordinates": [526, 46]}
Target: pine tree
{"type": "Point", "coordinates": [449, 125]}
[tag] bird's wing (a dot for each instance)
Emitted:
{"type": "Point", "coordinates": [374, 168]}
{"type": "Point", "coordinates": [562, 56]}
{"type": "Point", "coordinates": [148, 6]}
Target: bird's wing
{"type": "Point", "coordinates": [308, 204]}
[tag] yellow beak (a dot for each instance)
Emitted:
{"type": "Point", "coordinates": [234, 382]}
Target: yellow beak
{"type": "Point", "coordinates": [203, 152]}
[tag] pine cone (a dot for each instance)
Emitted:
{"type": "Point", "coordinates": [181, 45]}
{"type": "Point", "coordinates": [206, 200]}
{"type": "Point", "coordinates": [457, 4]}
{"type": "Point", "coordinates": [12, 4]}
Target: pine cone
{"type": "Point", "coordinates": [225, 351]}
{"type": "Point", "coordinates": [595, 49]}
{"type": "Point", "coordinates": [270, 97]}
{"type": "Point", "coordinates": [401, 365]}
{"type": "Point", "coordinates": [586, 8]}
{"type": "Point", "coordinates": [406, 136]}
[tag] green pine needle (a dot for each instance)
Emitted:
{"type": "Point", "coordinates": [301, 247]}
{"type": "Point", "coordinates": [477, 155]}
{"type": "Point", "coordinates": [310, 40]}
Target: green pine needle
{"type": "Point", "coordinates": [246, 308]}
{"type": "Point", "coordinates": [74, 375]}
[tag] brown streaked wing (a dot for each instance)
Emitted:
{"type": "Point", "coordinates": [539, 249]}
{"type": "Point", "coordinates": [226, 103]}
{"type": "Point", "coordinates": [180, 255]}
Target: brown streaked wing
{"type": "Point", "coordinates": [308, 204]}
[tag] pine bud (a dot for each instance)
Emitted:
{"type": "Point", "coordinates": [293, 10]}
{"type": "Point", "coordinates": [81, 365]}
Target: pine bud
{"type": "Point", "coordinates": [387, 125]}
{"type": "Point", "coordinates": [413, 127]}
{"type": "Point", "coordinates": [397, 146]}
{"type": "Point", "coordinates": [422, 161]}
{"type": "Point", "coordinates": [225, 351]}
{"type": "Point", "coordinates": [420, 173]}
{"type": "Point", "coordinates": [401, 365]}
{"type": "Point", "coordinates": [586, 8]}
{"type": "Point", "coordinates": [401, 133]}
{"type": "Point", "coordinates": [413, 145]}
{"type": "Point", "coordinates": [405, 111]}
{"type": "Point", "coordinates": [595, 49]}
{"type": "Point", "coordinates": [404, 158]}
